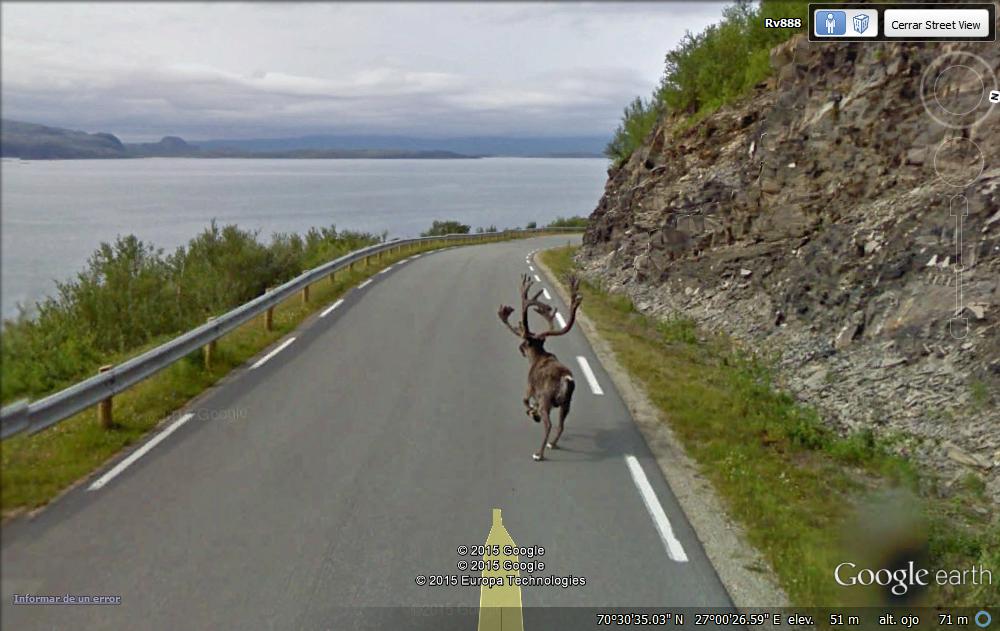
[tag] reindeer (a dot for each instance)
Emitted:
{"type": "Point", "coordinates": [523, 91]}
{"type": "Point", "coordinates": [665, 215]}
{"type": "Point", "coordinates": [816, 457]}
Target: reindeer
{"type": "Point", "coordinates": [550, 383]}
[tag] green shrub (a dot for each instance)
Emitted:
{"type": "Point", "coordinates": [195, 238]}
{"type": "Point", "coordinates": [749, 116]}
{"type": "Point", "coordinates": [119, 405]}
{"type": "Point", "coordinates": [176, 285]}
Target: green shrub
{"type": "Point", "coordinates": [441, 228]}
{"type": "Point", "coordinates": [120, 295]}
{"type": "Point", "coordinates": [222, 268]}
{"type": "Point", "coordinates": [678, 328]}
{"type": "Point", "coordinates": [326, 244]}
{"type": "Point", "coordinates": [638, 120]}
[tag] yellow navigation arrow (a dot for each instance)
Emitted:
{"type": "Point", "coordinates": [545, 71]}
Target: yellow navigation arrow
{"type": "Point", "coordinates": [499, 604]}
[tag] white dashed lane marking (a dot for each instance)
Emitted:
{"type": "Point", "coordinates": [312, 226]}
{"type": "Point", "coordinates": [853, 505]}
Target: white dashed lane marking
{"type": "Point", "coordinates": [327, 311]}
{"type": "Point", "coordinates": [674, 548]}
{"type": "Point", "coordinates": [139, 453]}
{"type": "Point", "coordinates": [260, 362]}
{"type": "Point", "coordinates": [589, 374]}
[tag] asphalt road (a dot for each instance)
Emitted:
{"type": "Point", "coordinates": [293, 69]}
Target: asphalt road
{"type": "Point", "coordinates": [311, 491]}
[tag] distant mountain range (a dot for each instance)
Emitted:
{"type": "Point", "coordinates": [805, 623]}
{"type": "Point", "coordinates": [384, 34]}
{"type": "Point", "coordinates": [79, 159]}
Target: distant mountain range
{"type": "Point", "coordinates": [40, 142]}
{"type": "Point", "coordinates": [565, 146]}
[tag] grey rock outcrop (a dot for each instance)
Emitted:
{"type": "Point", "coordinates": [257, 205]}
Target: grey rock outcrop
{"type": "Point", "coordinates": [815, 218]}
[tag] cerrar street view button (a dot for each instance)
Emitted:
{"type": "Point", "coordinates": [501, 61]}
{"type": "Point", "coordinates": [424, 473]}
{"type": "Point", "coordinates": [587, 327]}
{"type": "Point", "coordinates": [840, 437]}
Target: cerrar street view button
{"type": "Point", "coordinates": [919, 23]}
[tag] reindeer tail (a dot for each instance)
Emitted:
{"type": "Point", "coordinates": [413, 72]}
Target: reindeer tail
{"type": "Point", "coordinates": [566, 388]}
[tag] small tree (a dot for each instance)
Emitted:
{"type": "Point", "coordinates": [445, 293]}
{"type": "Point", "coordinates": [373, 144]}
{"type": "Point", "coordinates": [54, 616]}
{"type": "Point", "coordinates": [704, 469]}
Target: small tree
{"type": "Point", "coordinates": [638, 120]}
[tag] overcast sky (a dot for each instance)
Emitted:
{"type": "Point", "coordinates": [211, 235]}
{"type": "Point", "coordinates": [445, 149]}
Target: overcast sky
{"type": "Point", "coordinates": [214, 70]}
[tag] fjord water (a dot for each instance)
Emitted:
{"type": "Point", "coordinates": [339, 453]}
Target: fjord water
{"type": "Point", "coordinates": [56, 213]}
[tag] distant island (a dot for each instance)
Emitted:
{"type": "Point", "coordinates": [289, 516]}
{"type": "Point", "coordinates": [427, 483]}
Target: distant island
{"type": "Point", "coordinates": [40, 142]}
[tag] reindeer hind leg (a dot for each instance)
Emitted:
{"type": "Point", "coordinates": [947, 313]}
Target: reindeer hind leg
{"type": "Point", "coordinates": [531, 408]}
{"type": "Point", "coordinates": [540, 454]}
{"type": "Point", "coordinates": [567, 398]}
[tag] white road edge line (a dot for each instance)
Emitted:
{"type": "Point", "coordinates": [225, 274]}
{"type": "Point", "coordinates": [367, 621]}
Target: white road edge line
{"type": "Point", "coordinates": [260, 362]}
{"type": "Point", "coordinates": [531, 267]}
{"type": "Point", "coordinates": [386, 270]}
{"type": "Point", "coordinates": [589, 374]}
{"type": "Point", "coordinates": [537, 279]}
{"type": "Point", "coordinates": [674, 548]}
{"type": "Point", "coordinates": [365, 284]}
{"type": "Point", "coordinates": [327, 311]}
{"type": "Point", "coordinates": [559, 317]}
{"type": "Point", "coordinates": [545, 292]}
{"type": "Point", "coordinates": [139, 453]}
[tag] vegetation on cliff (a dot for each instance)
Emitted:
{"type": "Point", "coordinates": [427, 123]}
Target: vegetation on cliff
{"type": "Point", "coordinates": [709, 69]}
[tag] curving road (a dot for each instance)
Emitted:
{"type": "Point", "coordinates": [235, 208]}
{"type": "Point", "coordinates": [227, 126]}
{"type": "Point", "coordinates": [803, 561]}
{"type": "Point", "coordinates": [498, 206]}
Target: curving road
{"type": "Point", "coordinates": [310, 491]}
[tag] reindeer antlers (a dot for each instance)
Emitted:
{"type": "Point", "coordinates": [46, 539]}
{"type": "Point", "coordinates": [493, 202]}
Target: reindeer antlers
{"type": "Point", "coordinates": [504, 312]}
{"type": "Point", "coordinates": [550, 312]}
{"type": "Point", "coordinates": [545, 310]}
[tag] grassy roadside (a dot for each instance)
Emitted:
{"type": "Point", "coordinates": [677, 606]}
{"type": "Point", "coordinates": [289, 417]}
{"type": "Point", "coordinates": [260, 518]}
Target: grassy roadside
{"type": "Point", "coordinates": [35, 469]}
{"type": "Point", "coordinates": [807, 498]}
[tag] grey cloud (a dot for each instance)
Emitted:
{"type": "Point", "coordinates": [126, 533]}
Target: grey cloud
{"type": "Point", "coordinates": [258, 69]}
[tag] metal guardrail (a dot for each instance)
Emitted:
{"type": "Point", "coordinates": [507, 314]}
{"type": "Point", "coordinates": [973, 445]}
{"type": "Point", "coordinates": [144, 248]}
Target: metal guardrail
{"type": "Point", "coordinates": [37, 415]}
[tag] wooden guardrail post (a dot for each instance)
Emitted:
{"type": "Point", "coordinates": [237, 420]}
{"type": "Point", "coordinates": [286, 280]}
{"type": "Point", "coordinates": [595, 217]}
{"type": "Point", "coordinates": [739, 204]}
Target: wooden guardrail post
{"type": "Point", "coordinates": [104, 407]}
{"type": "Point", "coordinates": [208, 350]}
{"type": "Point", "coordinates": [305, 295]}
{"type": "Point", "coordinates": [269, 315]}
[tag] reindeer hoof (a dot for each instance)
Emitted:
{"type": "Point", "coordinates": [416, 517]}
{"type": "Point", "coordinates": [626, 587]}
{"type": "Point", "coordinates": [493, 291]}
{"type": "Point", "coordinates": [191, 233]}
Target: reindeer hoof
{"type": "Point", "coordinates": [552, 445]}
{"type": "Point", "coordinates": [537, 457]}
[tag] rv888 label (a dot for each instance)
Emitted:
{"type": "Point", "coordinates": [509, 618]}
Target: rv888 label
{"type": "Point", "coordinates": [782, 22]}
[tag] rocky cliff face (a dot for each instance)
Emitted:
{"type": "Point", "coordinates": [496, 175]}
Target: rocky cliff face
{"type": "Point", "coordinates": [846, 215]}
